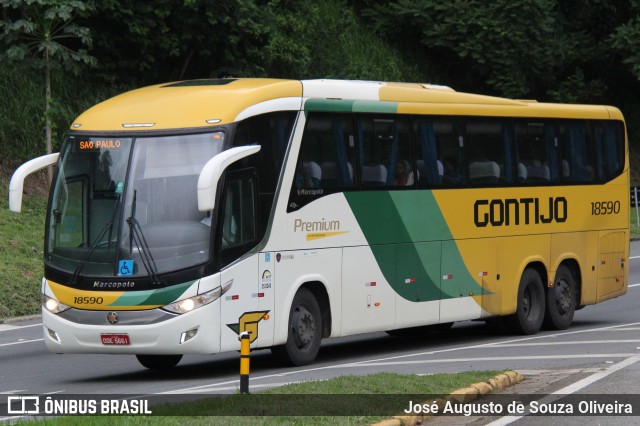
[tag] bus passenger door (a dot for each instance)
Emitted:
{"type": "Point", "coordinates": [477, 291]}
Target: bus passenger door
{"type": "Point", "coordinates": [237, 235]}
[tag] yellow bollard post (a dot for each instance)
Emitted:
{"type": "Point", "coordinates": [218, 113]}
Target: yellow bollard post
{"type": "Point", "coordinates": [245, 351]}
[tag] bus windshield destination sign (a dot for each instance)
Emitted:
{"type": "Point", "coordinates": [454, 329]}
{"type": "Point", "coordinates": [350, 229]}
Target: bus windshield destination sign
{"type": "Point", "coordinates": [90, 145]}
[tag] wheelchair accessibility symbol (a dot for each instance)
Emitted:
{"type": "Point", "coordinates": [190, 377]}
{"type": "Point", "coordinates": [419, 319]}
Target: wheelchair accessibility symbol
{"type": "Point", "coordinates": [125, 268]}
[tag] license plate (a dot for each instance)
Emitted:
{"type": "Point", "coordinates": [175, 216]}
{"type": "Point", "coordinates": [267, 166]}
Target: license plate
{"type": "Point", "coordinates": [115, 339]}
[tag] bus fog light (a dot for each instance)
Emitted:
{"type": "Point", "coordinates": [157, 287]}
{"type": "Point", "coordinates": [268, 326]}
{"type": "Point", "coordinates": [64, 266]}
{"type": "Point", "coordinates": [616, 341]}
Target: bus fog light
{"type": "Point", "coordinates": [53, 306]}
{"type": "Point", "coordinates": [53, 335]}
{"type": "Point", "coordinates": [187, 305]}
{"type": "Point", "coordinates": [188, 335]}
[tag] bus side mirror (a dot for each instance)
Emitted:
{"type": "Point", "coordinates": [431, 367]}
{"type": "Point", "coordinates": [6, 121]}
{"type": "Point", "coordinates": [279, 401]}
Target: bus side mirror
{"type": "Point", "coordinates": [211, 172]}
{"type": "Point", "coordinates": [17, 180]}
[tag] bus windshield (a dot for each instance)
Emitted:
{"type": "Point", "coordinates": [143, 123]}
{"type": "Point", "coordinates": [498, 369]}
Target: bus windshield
{"type": "Point", "coordinates": [128, 206]}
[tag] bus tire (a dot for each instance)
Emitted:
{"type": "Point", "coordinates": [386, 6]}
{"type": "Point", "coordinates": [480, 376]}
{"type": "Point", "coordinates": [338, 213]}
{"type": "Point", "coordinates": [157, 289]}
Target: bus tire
{"type": "Point", "coordinates": [304, 331]}
{"type": "Point", "coordinates": [531, 307]}
{"type": "Point", "coordinates": [561, 300]}
{"type": "Point", "coordinates": [159, 362]}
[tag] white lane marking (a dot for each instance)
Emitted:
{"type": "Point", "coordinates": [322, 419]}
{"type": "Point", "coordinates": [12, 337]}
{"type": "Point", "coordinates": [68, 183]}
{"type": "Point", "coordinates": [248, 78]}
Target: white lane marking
{"type": "Point", "coordinates": [573, 388]}
{"type": "Point", "coordinates": [9, 327]}
{"type": "Point", "coordinates": [634, 257]}
{"type": "Point", "coordinates": [495, 358]}
{"type": "Point", "coordinates": [225, 385]}
{"type": "Point", "coordinates": [358, 363]}
{"type": "Point", "coordinates": [588, 330]}
{"type": "Point", "coordinates": [233, 388]}
{"type": "Point", "coordinates": [585, 342]}
{"type": "Point", "coordinates": [3, 419]}
{"type": "Point", "coordinates": [22, 342]}
{"type": "Point", "coordinates": [634, 285]}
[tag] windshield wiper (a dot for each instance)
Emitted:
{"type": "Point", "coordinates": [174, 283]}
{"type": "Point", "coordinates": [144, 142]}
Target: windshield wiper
{"type": "Point", "coordinates": [92, 247]}
{"type": "Point", "coordinates": [136, 236]}
{"type": "Point", "coordinates": [107, 227]}
{"type": "Point", "coordinates": [113, 217]}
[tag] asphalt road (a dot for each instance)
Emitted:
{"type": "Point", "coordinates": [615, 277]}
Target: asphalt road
{"type": "Point", "coordinates": [599, 354]}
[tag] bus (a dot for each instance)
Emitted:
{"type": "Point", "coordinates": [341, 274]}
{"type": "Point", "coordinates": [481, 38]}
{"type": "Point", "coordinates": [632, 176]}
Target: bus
{"type": "Point", "coordinates": [184, 214]}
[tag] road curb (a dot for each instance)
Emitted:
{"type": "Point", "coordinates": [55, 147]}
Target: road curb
{"type": "Point", "coordinates": [463, 395]}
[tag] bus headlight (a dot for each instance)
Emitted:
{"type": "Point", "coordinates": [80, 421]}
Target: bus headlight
{"type": "Point", "coordinates": [53, 306]}
{"type": "Point", "coordinates": [187, 305]}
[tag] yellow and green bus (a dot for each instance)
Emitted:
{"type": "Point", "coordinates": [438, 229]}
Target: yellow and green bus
{"type": "Point", "coordinates": [183, 214]}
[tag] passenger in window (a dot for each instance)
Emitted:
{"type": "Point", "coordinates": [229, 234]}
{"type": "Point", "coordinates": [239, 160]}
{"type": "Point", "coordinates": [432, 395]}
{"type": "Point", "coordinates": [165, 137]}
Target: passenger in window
{"type": "Point", "coordinates": [308, 175]}
{"type": "Point", "coordinates": [404, 174]}
{"type": "Point", "coordinates": [451, 172]}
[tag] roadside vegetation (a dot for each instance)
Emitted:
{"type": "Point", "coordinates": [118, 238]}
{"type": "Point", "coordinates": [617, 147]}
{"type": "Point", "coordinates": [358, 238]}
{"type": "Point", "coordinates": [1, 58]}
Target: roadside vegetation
{"type": "Point", "coordinates": [356, 394]}
{"type": "Point", "coordinates": [21, 244]}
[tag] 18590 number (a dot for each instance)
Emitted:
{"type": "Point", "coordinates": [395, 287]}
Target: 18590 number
{"type": "Point", "coordinates": [605, 207]}
{"type": "Point", "coordinates": [88, 300]}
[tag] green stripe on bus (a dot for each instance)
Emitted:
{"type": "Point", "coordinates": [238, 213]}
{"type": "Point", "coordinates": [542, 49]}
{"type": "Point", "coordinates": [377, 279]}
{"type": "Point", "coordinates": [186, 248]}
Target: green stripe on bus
{"type": "Point", "coordinates": [162, 296]}
{"type": "Point", "coordinates": [339, 105]}
{"type": "Point", "coordinates": [375, 106]}
{"type": "Point", "coordinates": [411, 242]}
{"type": "Point", "coordinates": [330, 105]}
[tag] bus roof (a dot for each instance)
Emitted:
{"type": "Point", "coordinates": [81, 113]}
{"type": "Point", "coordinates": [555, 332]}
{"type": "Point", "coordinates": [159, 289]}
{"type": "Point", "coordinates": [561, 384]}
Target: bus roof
{"type": "Point", "coordinates": [207, 103]}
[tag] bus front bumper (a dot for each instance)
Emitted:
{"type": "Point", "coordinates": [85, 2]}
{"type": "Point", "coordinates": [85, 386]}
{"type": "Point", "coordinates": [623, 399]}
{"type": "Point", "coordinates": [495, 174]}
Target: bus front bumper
{"type": "Point", "coordinates": [159, 333]}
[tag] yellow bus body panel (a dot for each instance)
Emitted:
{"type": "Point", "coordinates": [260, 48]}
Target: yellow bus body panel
{"type": "Point", "coordinates": [183, 107]}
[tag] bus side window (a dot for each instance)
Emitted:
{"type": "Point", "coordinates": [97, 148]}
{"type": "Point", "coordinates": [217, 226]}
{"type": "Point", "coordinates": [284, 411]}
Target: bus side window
{"type": "Point", "coordinates": [238, 232]}
{"type": "Point", "coordinates": [272, 131]}
{"type": "Point", "coordinates": [385, 158]}
{"type": "Point", "coordinates": [533, 153]}
{"type": "Point", "coordinates": [609, 149]}
{"type": "Point", "coordinates": [439, 152]}
{"type": "Point", "coordinates": [326, 160]}
{"type": "Point", "coordinates": [576, 152]}
{"type": "Point", "coordinates": [488, 148]}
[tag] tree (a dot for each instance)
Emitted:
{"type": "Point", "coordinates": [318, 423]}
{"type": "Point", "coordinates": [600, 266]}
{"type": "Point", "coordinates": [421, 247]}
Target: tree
{"type": "Point", "coordinates": [506, 47]}
{"type": "Point", "coordinates": [149, 43]}
{"type": "Point", "coordinates": [42, 34]}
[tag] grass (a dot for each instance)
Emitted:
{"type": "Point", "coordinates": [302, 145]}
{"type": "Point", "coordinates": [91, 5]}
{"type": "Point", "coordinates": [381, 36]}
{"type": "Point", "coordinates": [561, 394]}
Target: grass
{"type": "Point", "coordinates": [369, 398]}
{"type": "Point", "coordinates": [21, 245]}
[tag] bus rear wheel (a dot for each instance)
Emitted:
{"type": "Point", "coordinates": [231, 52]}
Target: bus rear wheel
{"type": "Point", "coordinates": [304, 331]}
{"type": "Point", "coordinates": [531, 305]}
{"type": "Point", "coordinates": [561, 300]}
{"type": "Point", "coordinates": [159, 362]}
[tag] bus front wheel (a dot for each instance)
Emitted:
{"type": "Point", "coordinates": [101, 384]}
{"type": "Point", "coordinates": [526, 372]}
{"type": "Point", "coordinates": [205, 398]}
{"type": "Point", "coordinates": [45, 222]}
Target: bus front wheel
{"type": "Point", "coordinates": [531, 305]}
{"type": "Point", "coordinates": [159, 362]}
{"type": "Point", "coordinates": [561, 300]}
{"type": "Point", "coordinates": [304, 331]}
